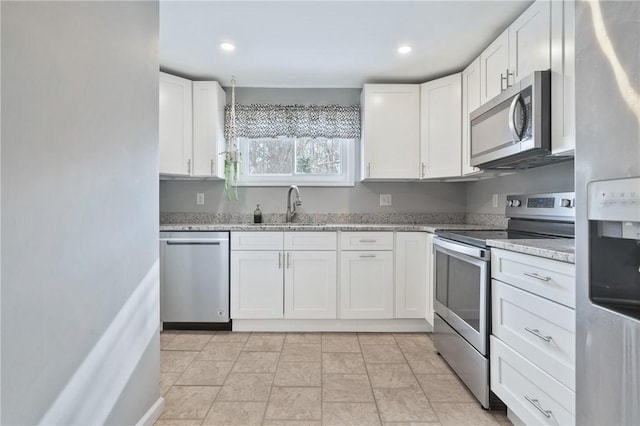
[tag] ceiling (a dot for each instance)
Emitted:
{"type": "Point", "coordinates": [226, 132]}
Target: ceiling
{"type": "Point", "coordinates": [327, 43]}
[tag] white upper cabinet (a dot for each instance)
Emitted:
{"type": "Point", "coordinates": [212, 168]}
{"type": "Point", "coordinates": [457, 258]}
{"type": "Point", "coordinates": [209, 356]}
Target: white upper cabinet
{"type": "Point", "coordinates": [563, 137]}
{"type": "Point", "coordinates": [521, 49]}
{"type": "Point", "coordinates": [175, 126]}
{"type": "Point", "coordinates": [530, 41]}
{"type": "Point", "coordinates": [494, 62]}
{"type": "Point", "coordinates": [390, 131]}
{"type": "Point", "coordinates": [191, 127]}
{"type": "Point", "coordinates": [208, 129]}
{"type": "Point", "coordinates": [440, 130]}
{"type": "Point", "coordinates": [470, 101]}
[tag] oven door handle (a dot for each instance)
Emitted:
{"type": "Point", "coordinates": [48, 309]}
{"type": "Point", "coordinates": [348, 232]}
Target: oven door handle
{"type": "Point", "coordinates": [476, 252]}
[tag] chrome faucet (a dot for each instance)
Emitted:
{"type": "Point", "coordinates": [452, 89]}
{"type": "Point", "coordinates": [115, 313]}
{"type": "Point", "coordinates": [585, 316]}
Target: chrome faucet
{"type": "Point", "coordinates": [291, 208]}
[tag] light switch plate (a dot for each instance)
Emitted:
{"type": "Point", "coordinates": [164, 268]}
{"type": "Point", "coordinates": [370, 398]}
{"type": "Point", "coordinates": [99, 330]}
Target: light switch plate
{"type": "Point", "coordinates": [200, 198]}
{"type": "Point", "coordinates": [385, 199]}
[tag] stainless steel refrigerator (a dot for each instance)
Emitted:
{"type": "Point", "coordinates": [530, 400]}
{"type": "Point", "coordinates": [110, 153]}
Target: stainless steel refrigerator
{"type": "Point", "coordinates": [608, 212]}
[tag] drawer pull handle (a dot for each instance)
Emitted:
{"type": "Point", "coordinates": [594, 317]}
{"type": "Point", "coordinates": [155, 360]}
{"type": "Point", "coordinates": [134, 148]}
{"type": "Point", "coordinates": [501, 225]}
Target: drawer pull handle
{"type": "Point", "coordinates": [367, 241]}
{"type": "Point", "coordinates": [288, 259]}
{"type": "Point", "coordinates": [279, 260]}
{"type": "Point", "coordinates": [536, 403]}
{"type": "Point", "coordinates": [537, 333]}
{"type": "Point", "coordinates": [537, 277]}
{"type": "Point", "coordinates": [367, 255]}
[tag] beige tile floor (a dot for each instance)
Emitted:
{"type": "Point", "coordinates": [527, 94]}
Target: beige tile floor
{"type": "Point", "coordinates": [215, 378]}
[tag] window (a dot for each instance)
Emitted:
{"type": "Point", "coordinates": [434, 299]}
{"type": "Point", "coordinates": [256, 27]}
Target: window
{"type": "Point", "coordinates": [305, 161]}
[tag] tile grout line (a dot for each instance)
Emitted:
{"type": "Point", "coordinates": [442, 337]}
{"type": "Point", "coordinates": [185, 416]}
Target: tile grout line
{"type": "Point", "coordinates": [419, 384]}
{"type": "Point", "coordinates": [225, 379]}
{"type": "Point", "coordinates": [366, 368]}
{"type": "Point", "coordinates": [266, 406]}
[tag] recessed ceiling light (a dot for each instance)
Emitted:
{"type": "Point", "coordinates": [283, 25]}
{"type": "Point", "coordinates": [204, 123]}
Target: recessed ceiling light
{"type": "Point", "coordinates": [229, 47]}
{"type": "Point", "coordinates": [403, 50]}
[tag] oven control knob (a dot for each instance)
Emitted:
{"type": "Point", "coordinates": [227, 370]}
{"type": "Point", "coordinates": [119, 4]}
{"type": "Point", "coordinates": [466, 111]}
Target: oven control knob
{"type": "Point", "coordinates": [566, 203]}
{"type": "Point", "coordinates": [509, 203]}
{"type": "Point", "coordinates": [515, 203]}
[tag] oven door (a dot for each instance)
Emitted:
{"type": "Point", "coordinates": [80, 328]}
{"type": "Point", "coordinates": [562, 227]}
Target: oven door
{"type": "Point", "coordinates": [462, 290]}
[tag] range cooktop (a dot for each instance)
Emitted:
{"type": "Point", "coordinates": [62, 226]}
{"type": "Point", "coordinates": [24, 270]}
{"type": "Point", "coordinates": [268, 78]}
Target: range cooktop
{"type": "Point", "coordinates": [479, 238]}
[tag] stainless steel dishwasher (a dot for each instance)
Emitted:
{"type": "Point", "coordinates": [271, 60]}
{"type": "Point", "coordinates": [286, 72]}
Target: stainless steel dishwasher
{"type": "Point", "coordinates": [194, 279]}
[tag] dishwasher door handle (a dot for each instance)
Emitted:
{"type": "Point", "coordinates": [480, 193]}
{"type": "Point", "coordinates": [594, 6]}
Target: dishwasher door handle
{"type": "Point", "coordinates": [192, 243]}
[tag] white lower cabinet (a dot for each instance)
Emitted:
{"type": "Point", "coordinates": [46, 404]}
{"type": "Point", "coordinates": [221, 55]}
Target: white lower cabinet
{"type": "Point", "coordinates": [366, 275]}
{"type": "Point", "coordinates": [533, 337]}
{"type": "Point", "coordinates": [411, 270]}
{"type": "Point", "coordinates": [271, 279]}
{"type": "Point", "coordinates": [310, 284]}
{"type": "Point", "coordinates": [533, 395]}
{"type": "Point", "coordinates": [366, 284]}
{"type": "Point", "coordinates": [300, 275]}
{"type": "Point", "coordinates": [256, 284]}
{"type": "Point", "coordinates": [429, 282]}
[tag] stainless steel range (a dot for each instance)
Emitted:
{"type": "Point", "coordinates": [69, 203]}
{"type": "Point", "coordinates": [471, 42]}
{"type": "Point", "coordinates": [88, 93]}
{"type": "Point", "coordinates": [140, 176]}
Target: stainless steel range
{"type": "Point", "coordinates": [462, 299]}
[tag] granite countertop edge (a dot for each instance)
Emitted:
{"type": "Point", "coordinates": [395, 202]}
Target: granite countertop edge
{"type": "Point", "coordinates": [561, 249]}
{"type": "Point", "coordinates": [427, 227]}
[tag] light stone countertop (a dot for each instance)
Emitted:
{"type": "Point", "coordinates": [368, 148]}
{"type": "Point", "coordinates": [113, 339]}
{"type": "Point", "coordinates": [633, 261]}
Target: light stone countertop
{"type": "Point", "coordinates": [562, 249]}
{"type": "Point", "coordinates": [428, 227]}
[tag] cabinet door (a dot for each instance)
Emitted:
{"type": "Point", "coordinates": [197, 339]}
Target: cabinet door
{"type": "Point", "coordinates": [470, 101]}
{"type": "Point", "coordinates": [411, 274]}
{"type": "Point", "coordinates": [441, 127]}
{"type": "Point", "coordinates": [208, 129]}
{"type": "Point", "coordinates": [530, 41]}
{"type": "Point", "coordinates": [563, 136]}
{"type": "Point", "coordinates": [391, 131]}
{"type": "Point", "coordinates": [429, 292]}
{"type": "Point", "coordinates": [256, 284]}
{"type": "Point", "coordinates": [494, 62]}
{"type": "Point", "coordinates": [310, 281]}
{"type": "Point", "coordinates": [366, 284]}
{"type": "Point", "coordinates": [175, 128]}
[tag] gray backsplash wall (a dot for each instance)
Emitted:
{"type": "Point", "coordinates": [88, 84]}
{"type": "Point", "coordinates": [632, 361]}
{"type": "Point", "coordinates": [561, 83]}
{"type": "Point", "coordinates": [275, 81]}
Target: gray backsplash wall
{"type": "Point", "coordinates": [408, 197]}
{"type": "Point", "coordinates": [180, 196]}
{"type": "Point", "coordinates": [553, 178]}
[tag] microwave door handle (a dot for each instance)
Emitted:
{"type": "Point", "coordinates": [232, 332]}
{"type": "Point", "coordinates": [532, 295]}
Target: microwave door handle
{"type": "Point", "coordinates": [512, 118]}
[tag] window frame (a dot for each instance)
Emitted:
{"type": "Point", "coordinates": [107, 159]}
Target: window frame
{"type": "Point", "coordinates": [346, 178]}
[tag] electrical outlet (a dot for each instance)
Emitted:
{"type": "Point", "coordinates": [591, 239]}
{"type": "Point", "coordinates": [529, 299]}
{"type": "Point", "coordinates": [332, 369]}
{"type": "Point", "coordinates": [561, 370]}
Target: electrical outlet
{"type": "Point", "coordinates": [385, 199]}
{"type": "Point", "coordinates": [495, 200]}
{"type": "Point", "coordinates": [200, 198]}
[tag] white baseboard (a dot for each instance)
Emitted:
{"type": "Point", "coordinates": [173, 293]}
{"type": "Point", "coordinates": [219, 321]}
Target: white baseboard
{"type": "Point", "coordinates": [333, 325]}
{"type": "Point", "coordinates": [152, 413]}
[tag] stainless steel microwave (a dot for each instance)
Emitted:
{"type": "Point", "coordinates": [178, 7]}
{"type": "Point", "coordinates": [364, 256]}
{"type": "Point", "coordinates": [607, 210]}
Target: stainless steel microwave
{"type": "Point", "coordinates": [513, 130]}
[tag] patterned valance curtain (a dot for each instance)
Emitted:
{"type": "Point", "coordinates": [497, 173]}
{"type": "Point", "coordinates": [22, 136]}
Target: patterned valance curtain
{"type": "Point", "coordinates": [313, 121]}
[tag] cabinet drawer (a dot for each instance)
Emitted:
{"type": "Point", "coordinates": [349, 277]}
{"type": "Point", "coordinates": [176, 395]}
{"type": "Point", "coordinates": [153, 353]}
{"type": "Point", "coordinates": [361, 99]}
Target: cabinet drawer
{"type": "Point", "coordinates": [534, 396]}
{"type": "Point", "coordinates": [310, 240]}
{"type": "Point", "coordinates": [541, 330]}
{"type": "Point", "coordinates": [551, 279]}
{"type": "Point", "coordinates": [366, 241]}
{"type": "Point", "coordinates": [257, 240]}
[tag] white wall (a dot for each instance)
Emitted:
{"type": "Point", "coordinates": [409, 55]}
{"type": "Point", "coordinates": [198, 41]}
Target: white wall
{"type": "Point", "coordinates": [79, 197]}
{"type": "Point", "coordinates": [552, 178]}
